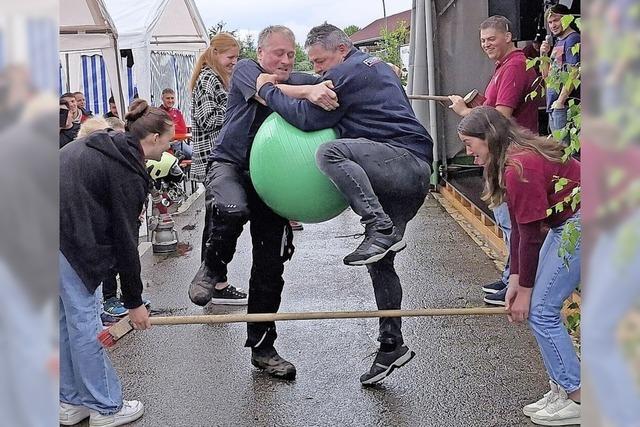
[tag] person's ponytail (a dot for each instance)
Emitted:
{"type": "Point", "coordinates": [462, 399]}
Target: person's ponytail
{"type": "Point", "coordinates": [137, 109]}
{"type": "Point", "coordinates": [143, 119]}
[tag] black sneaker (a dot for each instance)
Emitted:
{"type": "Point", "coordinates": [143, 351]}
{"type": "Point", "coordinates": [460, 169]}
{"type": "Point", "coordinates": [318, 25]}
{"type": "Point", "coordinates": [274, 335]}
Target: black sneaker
{"type": "Point", "coordinates": [497, 298]}
{"type": "Point", "coordinates": [229, 296]}
{"type": "Point", "coordinates": [202, 286]}
{"type": "Point", "coordinates": [385, 363]}
{"type": "Point", "coordinates": [375, 246]}
{"type": "Point", "coordinates": [494, 287]}
{"type": "Point", "coordinates": [270, 361]}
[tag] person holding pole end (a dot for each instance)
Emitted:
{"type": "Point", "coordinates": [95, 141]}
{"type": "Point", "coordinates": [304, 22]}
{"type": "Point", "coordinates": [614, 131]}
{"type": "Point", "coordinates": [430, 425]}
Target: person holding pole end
{"type": "Point", "coordinates": [521, 169]}
{"type": "Point", "coordinates": [103, 187]}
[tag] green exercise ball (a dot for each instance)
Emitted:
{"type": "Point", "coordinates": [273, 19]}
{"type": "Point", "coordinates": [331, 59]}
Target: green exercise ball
{"type": "Point", "coordinates": [283, 170]}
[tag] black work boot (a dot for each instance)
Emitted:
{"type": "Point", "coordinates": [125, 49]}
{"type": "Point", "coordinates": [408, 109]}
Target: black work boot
{"type": "Point", "coordinates": [268, 359]}
{"type": "Point", "coordinates": [202, 286]}
{"type": "Point", "coordinates": [385, 363]}
{"type": "Point", "coordinates": [375, 246]}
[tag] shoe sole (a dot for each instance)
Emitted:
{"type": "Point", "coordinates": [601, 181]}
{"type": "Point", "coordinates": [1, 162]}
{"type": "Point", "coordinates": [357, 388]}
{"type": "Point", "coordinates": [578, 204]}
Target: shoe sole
{"type": "Point", "coordinates": [395, 248]}
{"type": "Point", "coordinates": [400, 362]}
{"type": "Point", "coordinates": [529, 412]}
{"type": "Point", "coordinates": [74, 420]}
{"type": "Point", "coordinates": [489, 290]}
{"type": "Point", "coordinates": [287, 376]}
{"type": "Point", "coordinates": [122, 421]}
{"type": "Point", "coordinates": [227, 301]}
{"type": "Point", "coordinates": [115, 315]}
{"type": "Point", "coordinates": [493, 302]}
{"type": "Point", "coordinates": [565, 422]}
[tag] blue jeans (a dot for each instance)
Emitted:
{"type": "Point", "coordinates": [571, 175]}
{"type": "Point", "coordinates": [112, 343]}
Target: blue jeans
{"type": "Point", "coordinates": [555, 282]}
{"type": "Point", "coordinates": [87, 377]}
{"type": "Point", "coordinates": [558, 120]}
{"type": "Point", "coordinates": [385, 185]}
{"type": "Point", "coordinates": [503, 220]}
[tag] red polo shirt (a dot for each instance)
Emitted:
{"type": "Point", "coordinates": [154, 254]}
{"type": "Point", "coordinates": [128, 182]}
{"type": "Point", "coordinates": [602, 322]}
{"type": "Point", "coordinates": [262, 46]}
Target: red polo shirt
{"type": "Point", "coordinates": [178, 120]}
{"type": "Point", "coordinates": [510, 84]}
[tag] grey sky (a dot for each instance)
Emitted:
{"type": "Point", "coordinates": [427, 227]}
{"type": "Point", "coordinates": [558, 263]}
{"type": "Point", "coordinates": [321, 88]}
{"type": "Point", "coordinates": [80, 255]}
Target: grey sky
{"type": "Point", "coordinates": [250, 16]}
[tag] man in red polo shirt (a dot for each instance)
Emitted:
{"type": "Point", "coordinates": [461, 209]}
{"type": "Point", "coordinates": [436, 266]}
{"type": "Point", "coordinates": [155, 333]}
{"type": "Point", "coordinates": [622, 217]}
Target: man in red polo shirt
{"type": "Point", "coordinates": [168, 101]}
{"type": "Point", "coordinates": [511, 82]}
{"type": "Point", "coordinates": [507, 91]}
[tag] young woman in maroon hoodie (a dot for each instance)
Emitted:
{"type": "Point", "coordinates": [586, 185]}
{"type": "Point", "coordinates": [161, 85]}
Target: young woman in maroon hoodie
{"type": "Point", "coordinates": [523, 169]}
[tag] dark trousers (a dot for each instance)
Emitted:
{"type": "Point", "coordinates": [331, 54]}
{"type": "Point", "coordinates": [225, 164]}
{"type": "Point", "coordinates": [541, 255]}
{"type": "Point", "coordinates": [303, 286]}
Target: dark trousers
{"type": "Point", "coordinates": [110, 287]}
{"type": "Point", "coordinates": [385, 185]}
{"type": "Point", "coordinates": [230, 202]}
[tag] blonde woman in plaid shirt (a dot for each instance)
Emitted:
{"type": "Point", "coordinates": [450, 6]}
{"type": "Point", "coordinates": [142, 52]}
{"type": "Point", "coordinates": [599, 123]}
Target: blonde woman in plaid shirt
{"type": "Point", "coordinates": [209, 87]}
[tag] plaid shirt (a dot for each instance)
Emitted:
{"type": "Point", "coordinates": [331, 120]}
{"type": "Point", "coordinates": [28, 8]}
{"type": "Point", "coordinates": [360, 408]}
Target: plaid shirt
{"type": "Point", "coordinates": [209, 103]}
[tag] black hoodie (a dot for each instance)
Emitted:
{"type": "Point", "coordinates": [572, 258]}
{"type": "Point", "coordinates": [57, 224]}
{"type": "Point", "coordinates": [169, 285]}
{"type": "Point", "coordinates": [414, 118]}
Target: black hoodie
{"type": "Point", "coordinates": [103, 187]}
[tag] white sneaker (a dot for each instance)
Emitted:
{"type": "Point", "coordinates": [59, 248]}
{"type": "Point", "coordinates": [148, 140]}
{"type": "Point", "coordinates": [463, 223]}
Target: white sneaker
{"type": "Point", "coordinates": [72, 414]}
{"type": "Point", "coordinates": [131, 411]}
{"type": "Point", "coordinates": [561, 411]}
{"type": "Point", "coordinates": [534, 407]}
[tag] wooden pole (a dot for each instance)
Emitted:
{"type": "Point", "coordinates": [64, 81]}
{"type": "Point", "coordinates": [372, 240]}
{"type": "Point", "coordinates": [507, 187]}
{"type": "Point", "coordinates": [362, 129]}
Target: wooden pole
{"type": "Point", "coordinates": [316, 315]}
{"type": "Point", "coordinates": [430, 98]}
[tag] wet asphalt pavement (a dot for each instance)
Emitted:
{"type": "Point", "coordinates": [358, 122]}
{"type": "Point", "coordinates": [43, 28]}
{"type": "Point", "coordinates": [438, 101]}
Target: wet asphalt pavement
{"type": "Point", "coordinates": [469, 371]}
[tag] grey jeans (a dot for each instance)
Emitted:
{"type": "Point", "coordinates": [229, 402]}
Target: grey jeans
{"type": "Point", "coordinates": [385, 185]}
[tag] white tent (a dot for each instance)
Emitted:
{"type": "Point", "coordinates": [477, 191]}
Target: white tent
{"type": "Point", "coordinates": [158, 26]}
{"type": "Point", "coordinates": [86, 27]}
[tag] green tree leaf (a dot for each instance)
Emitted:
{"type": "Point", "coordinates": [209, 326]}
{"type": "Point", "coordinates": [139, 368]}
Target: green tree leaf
{"type": "Point", "coordinates": [566, 20]}
{"type": "Point", "coordinates": [560, 184]}
{"type": "Point", "coordinates": [575, 48]}
{"type": "Point", "coordinates": [351, 30]}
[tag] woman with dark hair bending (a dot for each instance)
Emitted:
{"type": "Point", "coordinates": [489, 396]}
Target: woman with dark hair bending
{"type": "Point", "coordinates": [103, 187]}
{"type": "Point", "coordinates": [523, 169]}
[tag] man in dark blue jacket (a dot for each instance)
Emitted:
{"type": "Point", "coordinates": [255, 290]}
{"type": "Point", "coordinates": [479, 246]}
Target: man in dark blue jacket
{"type": "Point", "coordinates": [381, 164]}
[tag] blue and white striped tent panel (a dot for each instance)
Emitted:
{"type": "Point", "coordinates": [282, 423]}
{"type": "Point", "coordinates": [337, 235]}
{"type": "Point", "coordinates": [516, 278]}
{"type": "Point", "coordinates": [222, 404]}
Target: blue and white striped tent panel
{"type": "Point", "coordinates": [95, 84]}
{"type": "Point", "coordinates": [42, 40]}
{"type": "Point", "coordinates": [132, 90]}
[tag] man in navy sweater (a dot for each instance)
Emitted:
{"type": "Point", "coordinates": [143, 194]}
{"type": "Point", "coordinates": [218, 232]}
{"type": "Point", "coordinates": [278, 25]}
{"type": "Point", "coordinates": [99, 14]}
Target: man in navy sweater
{"type": "Point", "coordinates": [380, 163]}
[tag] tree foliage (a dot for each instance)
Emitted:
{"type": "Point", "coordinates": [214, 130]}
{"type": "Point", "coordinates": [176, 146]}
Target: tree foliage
{"type": "Point", "coordinates": [302, 60]}
{"type": "Point", "coordinates": [219, 28]}
{"type": "Point", "coordinates": [248, 47]}
{"type": "Point", "coordinates": [351, 30]}
{"type": "Point", "coordinates": [389, 45]}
